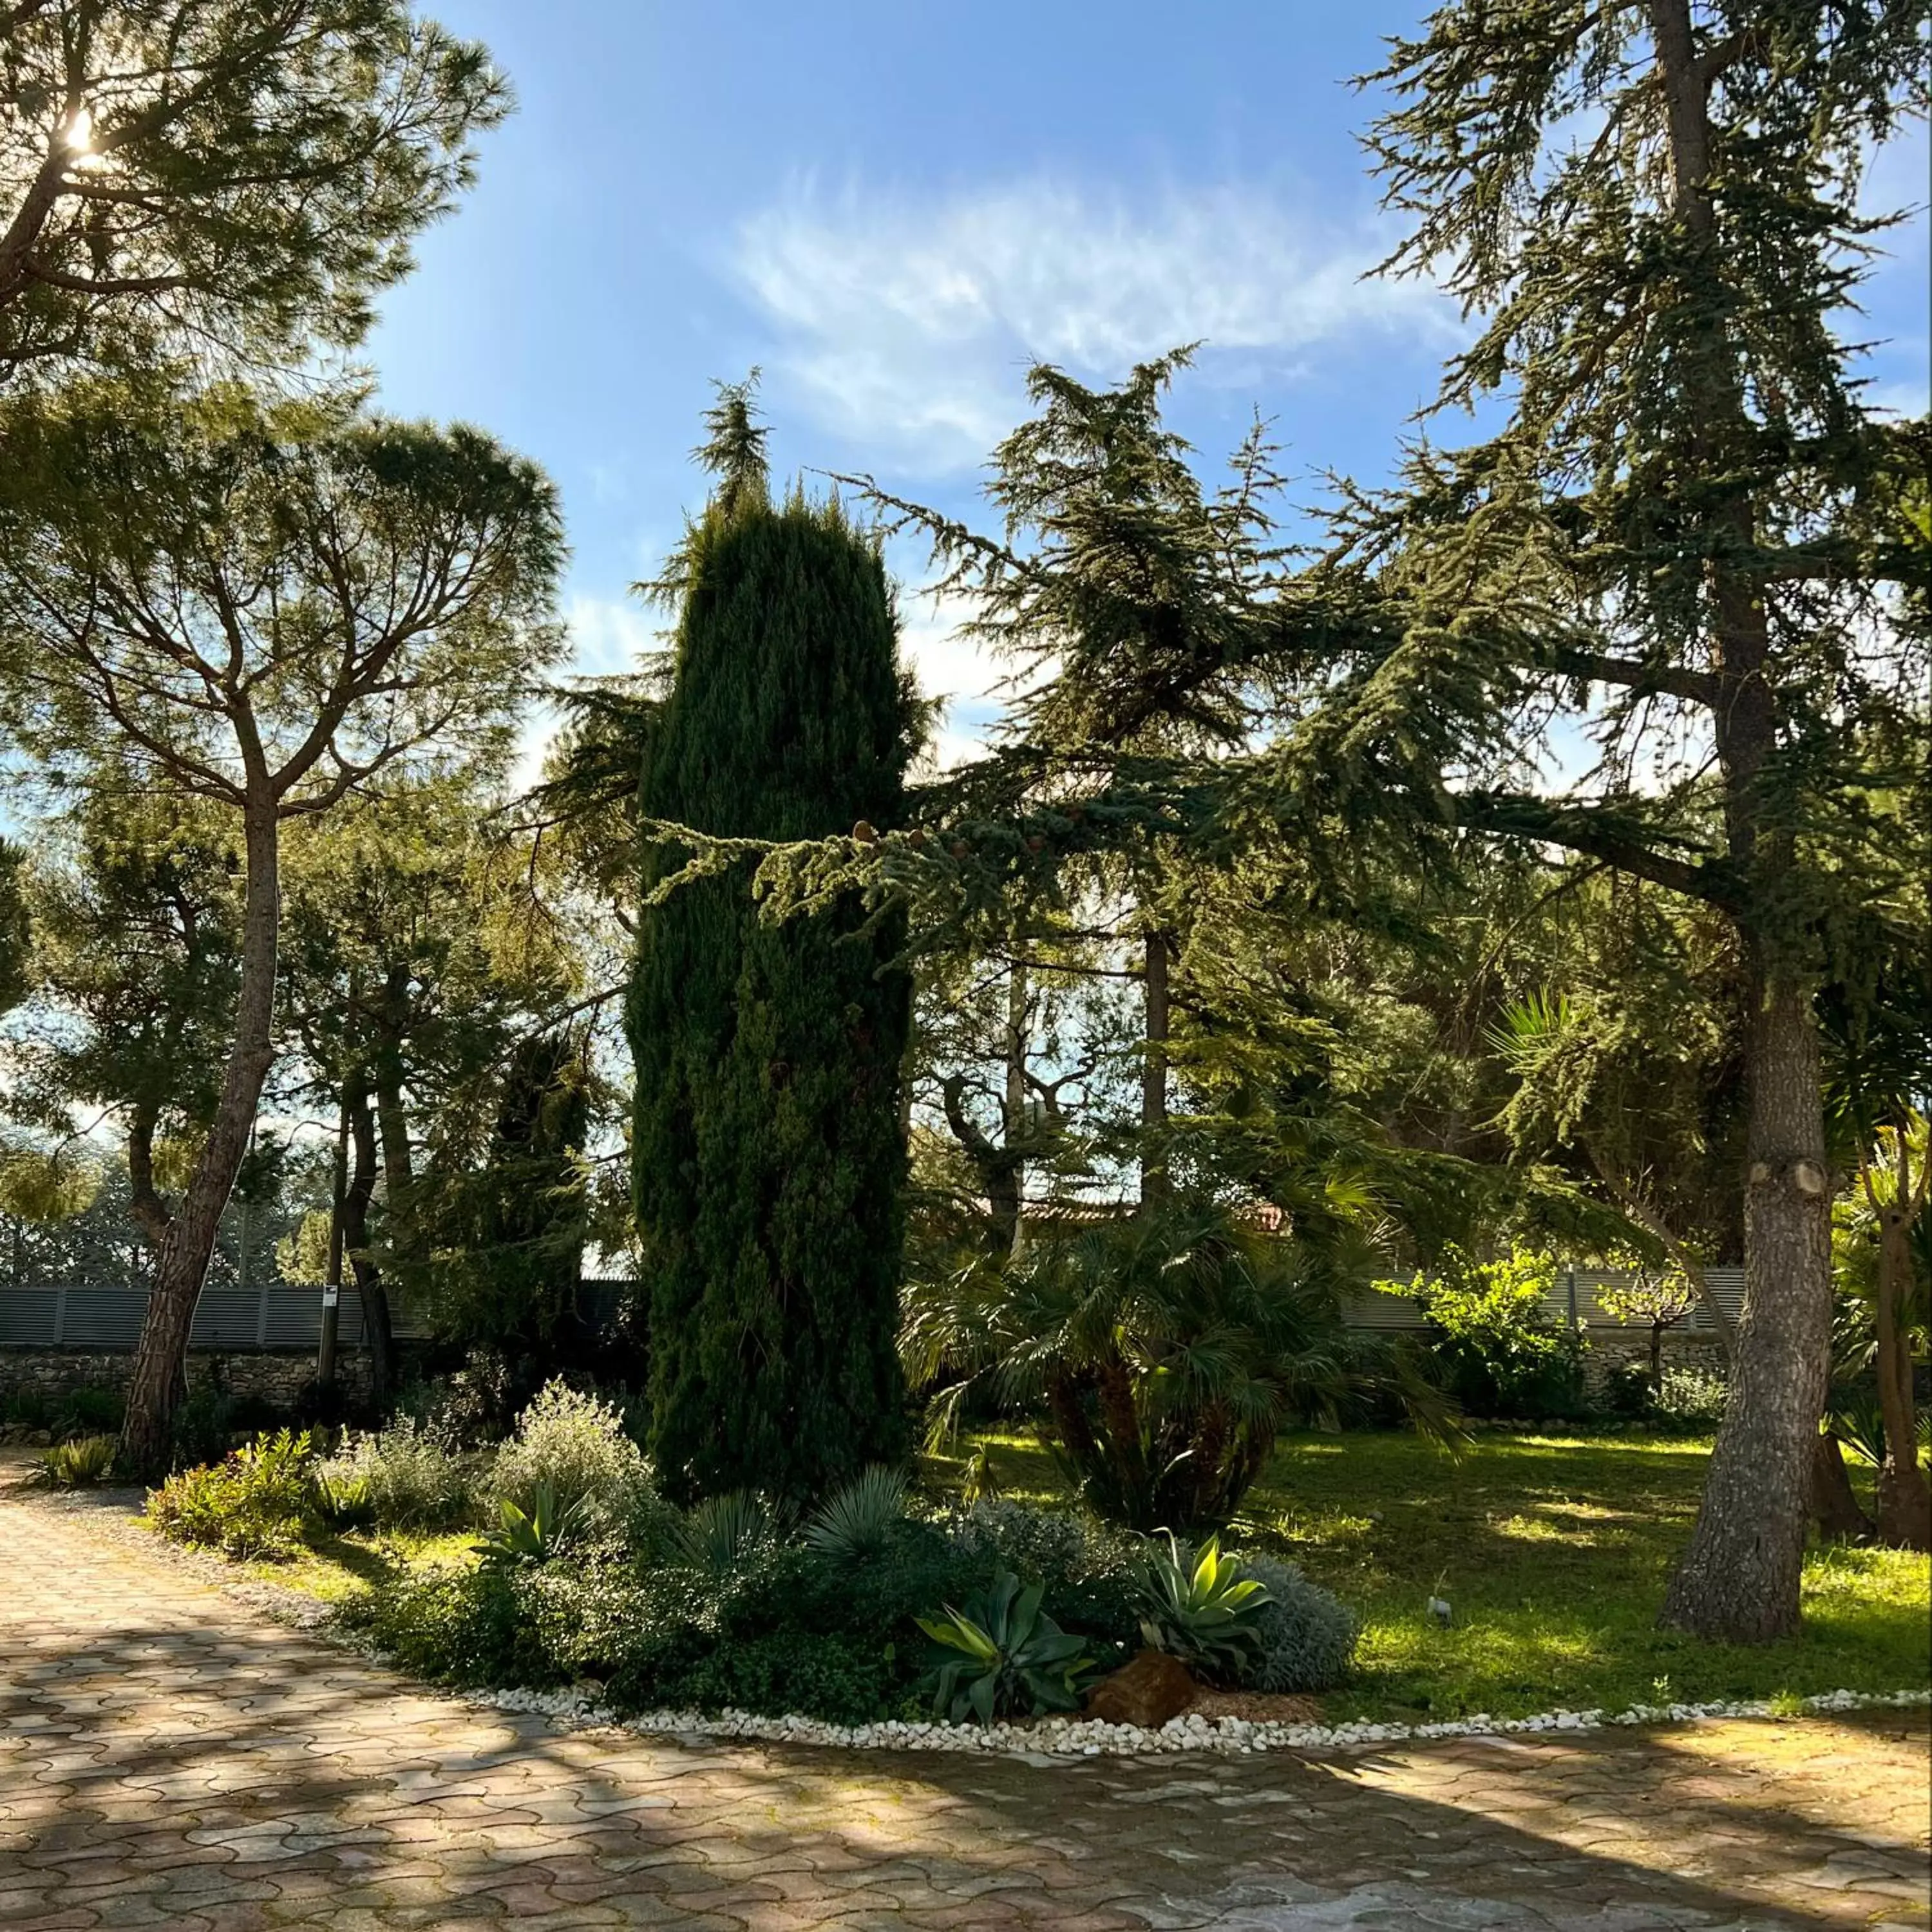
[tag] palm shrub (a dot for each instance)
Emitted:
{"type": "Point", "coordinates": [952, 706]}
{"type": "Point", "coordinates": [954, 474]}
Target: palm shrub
{"type": "Point", "coordinates": [1168, 1352]}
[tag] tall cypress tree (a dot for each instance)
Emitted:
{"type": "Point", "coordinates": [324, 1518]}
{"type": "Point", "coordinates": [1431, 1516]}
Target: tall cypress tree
{"type": "Point", "coordinates": [767, 1150]}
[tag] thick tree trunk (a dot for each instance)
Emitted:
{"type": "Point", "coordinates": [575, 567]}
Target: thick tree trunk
{"type": "Point", "coordinates": [1738, 1580]}
{"type": "Point", "coordinates": [377, 1328]}
{"type": "Point", "coordinates": [1840, 1519]}
{"type": "Point", "coordinates": [182, 1251]}
{"type": "Point", "coordinates": [1904, 1499]}
{"type": "Point", "coordinates": [1157, 1183]}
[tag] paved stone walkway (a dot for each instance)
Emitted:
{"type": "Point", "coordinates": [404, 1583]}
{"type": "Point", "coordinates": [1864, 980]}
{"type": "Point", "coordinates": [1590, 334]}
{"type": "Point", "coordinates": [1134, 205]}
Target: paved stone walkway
{"type": "Point", "coordinates": [168, 1758]}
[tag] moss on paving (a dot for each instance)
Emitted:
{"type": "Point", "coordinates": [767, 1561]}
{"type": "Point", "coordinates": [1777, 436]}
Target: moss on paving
{"type": "Point", "coordinates": [1552, 1551]}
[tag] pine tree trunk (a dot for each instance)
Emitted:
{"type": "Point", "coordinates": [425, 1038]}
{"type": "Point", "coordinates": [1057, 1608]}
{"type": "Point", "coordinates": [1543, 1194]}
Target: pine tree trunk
{"type": "Point", "coordinates": [1840, 1519]}
{"type": "Point", "coordinates": [1157, 1183]}
{"type": "Point", "coordinates": [376, 1328]}
{"type": "Point", "coordinates": [1738, 1580]}
{"type": "Point", "coordinates": [185, 1246]}
{"type": "Point", "coordinates": [1013, 1104]}
{"type": "Point", "coordinates": [1904, 1499]}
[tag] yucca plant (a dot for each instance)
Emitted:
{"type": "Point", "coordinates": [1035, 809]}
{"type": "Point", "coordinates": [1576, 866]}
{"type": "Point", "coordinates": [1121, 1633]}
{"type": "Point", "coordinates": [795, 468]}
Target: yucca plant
{"type": "Point", "coordinates": [858, 1520]}
{"type": "Point", "coordinates": [344, 1500]}
{"type": "Point", "coordinates": [1002, 1654]}
{"type": "Point", "coordinates": [721, 1536]}
{"type": "Point", "coordinates": [1198, 1605]}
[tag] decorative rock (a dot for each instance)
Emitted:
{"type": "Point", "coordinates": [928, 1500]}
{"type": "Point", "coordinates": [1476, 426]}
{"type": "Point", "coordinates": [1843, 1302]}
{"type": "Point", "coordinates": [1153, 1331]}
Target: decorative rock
{"type": "Point", "coordinates": [1144, 1693]}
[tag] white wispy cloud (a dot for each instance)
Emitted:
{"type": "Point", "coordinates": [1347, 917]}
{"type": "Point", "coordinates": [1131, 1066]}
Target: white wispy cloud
{"type": "Point", "coordinates": [907, 324]}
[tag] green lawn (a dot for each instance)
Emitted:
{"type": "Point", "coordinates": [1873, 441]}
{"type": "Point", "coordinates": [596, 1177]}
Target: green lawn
{"type": "Point", "coordinates": [1552, 1550]}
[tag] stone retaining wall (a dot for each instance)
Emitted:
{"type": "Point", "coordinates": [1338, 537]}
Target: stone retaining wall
{"type": "Point", "coordinates": [278, 1377]}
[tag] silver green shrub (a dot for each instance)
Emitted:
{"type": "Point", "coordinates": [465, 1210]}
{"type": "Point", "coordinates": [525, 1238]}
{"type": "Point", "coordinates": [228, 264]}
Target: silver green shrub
{"type": "Point", "coordinates": [575, 1443]}
{"type": "Point", "coordinates": [407, 1475]}
{"type": "Point", "coordinates": [1306, 1636]}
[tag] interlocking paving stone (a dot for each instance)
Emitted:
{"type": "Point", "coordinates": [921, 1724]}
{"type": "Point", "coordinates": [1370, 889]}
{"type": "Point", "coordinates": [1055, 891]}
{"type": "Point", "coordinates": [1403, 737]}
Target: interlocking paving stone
{"type": "Point", "coordinates": [168, 1757]}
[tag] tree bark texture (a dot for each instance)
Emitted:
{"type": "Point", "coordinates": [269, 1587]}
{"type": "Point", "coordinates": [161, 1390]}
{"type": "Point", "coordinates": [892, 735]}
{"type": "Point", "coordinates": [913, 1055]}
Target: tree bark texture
{"type": "Point", "coordinates": [1157, 1183]}
{"type": "Point", "coordinates": [1904, 1498]}
{"type": "Point", "coordinates": [1841, 1518]}
{"type": "Point", "coordinates": [185, 1244]}
{"type": "Point", "coordinates": [378, 1331]}
{"type": "Point", "coordinates": [1738, 1580]}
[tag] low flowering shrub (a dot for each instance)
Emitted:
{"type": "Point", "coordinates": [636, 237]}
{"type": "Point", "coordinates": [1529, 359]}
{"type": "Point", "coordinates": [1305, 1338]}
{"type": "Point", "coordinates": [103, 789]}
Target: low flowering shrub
{"type": "Point", "coordinates": [575, 1445]}
{"type": "Point", "coordinates": [405, 1476]}
{"type": "Point", "coordinates": [257, 1502]}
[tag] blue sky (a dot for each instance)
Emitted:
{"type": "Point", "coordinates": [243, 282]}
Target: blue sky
{"type": "Point", "coordinates": [893, 209]}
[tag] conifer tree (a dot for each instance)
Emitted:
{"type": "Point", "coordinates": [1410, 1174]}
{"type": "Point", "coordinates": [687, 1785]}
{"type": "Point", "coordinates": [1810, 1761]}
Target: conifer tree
{"type": "Point", "coordinates": [768, 1153]}
{"type": "Point", "coordinates": [1681, 535]}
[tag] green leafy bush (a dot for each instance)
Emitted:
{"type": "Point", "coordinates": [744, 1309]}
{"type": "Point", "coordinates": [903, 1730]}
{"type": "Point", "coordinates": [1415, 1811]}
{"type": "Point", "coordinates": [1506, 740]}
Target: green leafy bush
{"type": "Point", "coordinates": [1087, 1568]}
{"type": "Point", "coordinates": [1002, 1654]}
{"type": "Point", "coordinates": [1504, 1354]}
{"type": "Point", "coordinates": [1305, 1637]}
{"type": "Point", "coordinates": [88, 1411]}
{"type": "Point", "coordinates": [258, 1502]}
{"type": "Point", "coordinates": [1199, 1605]}
{"type": "Point", "coordinates": [78, 1464]}
{"type": "Point", "coordinates": [461, 1627]}
{"type": "Point", "coordinates": [408, 1473]}
{"type": "Point", "coordinates": [1694, 1397]}
{"type": "Point", "coordinates": [574, 1443]}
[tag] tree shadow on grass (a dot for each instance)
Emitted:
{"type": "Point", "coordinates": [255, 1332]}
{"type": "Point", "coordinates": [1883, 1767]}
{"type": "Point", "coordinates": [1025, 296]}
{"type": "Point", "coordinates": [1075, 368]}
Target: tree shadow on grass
{"type": "Point", "coordinates": [173, 1746]}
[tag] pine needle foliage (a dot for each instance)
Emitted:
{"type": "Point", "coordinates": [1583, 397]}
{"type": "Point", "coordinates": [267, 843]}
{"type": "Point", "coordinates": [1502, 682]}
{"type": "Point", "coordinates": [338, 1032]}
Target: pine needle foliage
{"type": "Point", "coordinates": [767, 1152]}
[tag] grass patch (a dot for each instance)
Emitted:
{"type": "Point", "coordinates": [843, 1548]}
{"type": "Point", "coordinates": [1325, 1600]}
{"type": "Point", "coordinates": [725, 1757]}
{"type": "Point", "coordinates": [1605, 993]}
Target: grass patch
{"type": "Point", "coordinates": [334, 1569]}
{"type": "Point", "coordinates": [1553, 1550]}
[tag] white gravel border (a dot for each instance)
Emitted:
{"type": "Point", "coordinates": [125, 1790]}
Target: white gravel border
{"type": "Point", "coordinates": [1055, 1738]}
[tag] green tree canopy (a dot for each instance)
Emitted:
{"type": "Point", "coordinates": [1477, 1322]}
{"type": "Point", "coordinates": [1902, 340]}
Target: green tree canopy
{"type": "Point", "coordinates": [238, 175]}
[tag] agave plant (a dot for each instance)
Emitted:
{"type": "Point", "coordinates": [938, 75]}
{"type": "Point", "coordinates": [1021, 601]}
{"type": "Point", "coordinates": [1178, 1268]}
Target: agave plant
{"type": "Point", "coordinates": [1003, 1654]}
{"type": "Point", "coordinates": [534, 1535]}
{"type": "Point", "coordinates": [858, 1520]}
{"type": "Point", "coordinates": [1198, 1605]}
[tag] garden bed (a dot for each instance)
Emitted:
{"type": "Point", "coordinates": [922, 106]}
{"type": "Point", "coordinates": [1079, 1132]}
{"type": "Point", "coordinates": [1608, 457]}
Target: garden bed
{"type": "Point", "coordinates": [1550, 1551]}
